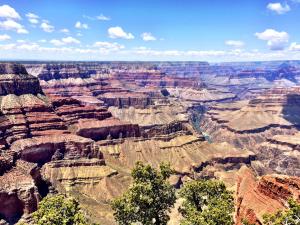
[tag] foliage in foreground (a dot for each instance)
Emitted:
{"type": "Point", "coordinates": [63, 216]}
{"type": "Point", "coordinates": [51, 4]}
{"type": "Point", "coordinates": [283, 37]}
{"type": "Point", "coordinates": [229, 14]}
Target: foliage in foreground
{"type": "Point", "coordinates": [149, 198]}
{"type": "Point", "coordinates": [59, 210]}
{"type": "Point", "coordinates": [206, 202]}
{"type": "Point", "coordinates": [291, 216]}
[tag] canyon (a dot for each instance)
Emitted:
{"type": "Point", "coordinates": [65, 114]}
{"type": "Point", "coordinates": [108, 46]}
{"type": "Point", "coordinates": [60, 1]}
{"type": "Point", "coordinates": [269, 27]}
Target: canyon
{"type": "Point", "coordinates": [78, 128]}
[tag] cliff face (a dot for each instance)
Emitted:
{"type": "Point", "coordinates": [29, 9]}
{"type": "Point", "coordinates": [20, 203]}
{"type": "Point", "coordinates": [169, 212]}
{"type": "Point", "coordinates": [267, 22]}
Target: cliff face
{"type": "Point", "coordinates": [25, 110]}
{"type": "Point", "coordinates": [19, 195]}
{"type": "Point", "coordinates": [268, 194]}
{"type": "Point", "coordinates": [14, 79]}
{"type": "Point", "coordinates": [252, 124]}
{"type": "Point", "coordinates": [84, 132]}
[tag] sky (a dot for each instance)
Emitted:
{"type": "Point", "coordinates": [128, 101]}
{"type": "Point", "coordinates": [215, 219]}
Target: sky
{"type": "Point", "coordinates": [150, 30]}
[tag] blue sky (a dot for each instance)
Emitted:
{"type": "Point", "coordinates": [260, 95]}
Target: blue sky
{"type": "Point", "coordinates": [211, 30]}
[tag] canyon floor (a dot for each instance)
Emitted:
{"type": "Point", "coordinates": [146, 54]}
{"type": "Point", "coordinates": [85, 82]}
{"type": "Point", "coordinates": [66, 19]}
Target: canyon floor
{"type": "Point", "coordinates": [78, 128]}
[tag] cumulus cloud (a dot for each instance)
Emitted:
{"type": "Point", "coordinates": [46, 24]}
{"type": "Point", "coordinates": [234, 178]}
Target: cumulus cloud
{"type": "Point", "coordinates": [80, 25]}
{"type": "Point", "coordinates": [146, 36]}
{"type": "Point", "coordinates": [8, 12]}
{"type": "Point", "coordinates": [4, 37]}
{"type": "Point", "coordinates": [65, 30]}
{"type": "Point", "coordinates": [13, 25]}
{"type": "Point", "coordinates": [70, 40]}
{"type": "Point", "coordinates": [7, 47]}
{"type": "Point", "coordinates": [102, 17]}
{"type": "Point", "coordinates": [278, 7]}
{"type": "Point", "coordinates": [294, 47]}
{"type": "Point", "coordinates": [234, 43]}
{"type": "Point", "coordinates": [118, 32]}
{"type": "Point", "coordinates": [64, 41]}
{"type": "Point", "coordinates": [106, 51]}
{"type": "Point", "coordinates": [275, 40]}
{"type": "Point", "coordinates": [108, 46]}
{"type": "Point", "coordinates": [47, 27]}
{"type": "Point", "coordinates": [32, 18]}
{"type": "Point", "coordinates": [56, 42]}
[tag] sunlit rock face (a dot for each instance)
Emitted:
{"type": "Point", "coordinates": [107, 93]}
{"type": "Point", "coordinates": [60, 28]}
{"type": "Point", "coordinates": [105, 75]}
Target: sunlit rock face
{"type": "Point", "coordinates": [252, 124]}
{"type": "Point", "coordinates": [267, 194]}
{"type": "Point", "coordinates": [78, 129]}
{"type": "Point", "coordinates": [25, 110]}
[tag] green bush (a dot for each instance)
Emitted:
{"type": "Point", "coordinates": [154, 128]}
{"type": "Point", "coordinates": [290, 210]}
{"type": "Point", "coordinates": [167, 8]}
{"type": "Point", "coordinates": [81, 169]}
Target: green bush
{"type": "Point", "coordinates": [59, 210]}
{"type": "Point", "coordinates": [149, 198]}
{"type": "Point", "coordinates": [206, 202]}
{"type": "Point", "coordinates": [291, 216]}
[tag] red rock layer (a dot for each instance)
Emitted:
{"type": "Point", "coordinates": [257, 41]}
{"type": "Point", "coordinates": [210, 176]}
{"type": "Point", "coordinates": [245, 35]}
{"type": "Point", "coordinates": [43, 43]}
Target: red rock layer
{"type": "Point", "coordinates": [72, 110]}
{"type": "Point", "coordinates": [268, 194]}
{"type": "Point", "coordinates": [110, 128]}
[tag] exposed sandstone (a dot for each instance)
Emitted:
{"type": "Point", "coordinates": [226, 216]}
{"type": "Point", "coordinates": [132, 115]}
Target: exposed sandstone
{"type": "Point", "coordinates": [186, 153]}
{"type": "Point", "coordinates": [268, 194]}
{"type": "Point", "coordinates": [43, 149]}
{"type": "Point", "coordinates": [108, 128]}
{"type": "Point", "coordinates": [18, 194]}
{"type": "Point", "coordinates": [252, 124]}
{"type": "Point", "coordinates": [202, 95]}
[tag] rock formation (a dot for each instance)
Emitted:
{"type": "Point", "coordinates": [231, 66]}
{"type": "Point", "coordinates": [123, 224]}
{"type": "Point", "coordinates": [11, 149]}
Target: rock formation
{"type": "Point", "coordinates": [79, 127]}
{"type": "Point", "coordinates": [251, 123]}
{"type": "Point", "coordinates": [267, 194]}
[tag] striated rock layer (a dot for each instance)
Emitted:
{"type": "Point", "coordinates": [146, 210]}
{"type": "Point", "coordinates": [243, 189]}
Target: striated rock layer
{"type": "Point", "coordinates": [267, 194]}
{"type": "Point", "coordinates": [252, 124]}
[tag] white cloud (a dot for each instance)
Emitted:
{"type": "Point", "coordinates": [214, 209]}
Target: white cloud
{"type": "Point", "coordinates": [118, 32]}
{"type": "Point", "coordinates": [64, 30]}
{"type": "Point", "coordinates": [294, 47]}
{"type": "Point", "coordinates": [4, 37]}
{"type": "Point", "coordinates": [42, 41]}
{"type": "Point", "coordinates": [278, 7]}
{"type": "Point", "coordinates": [7, 46]}
{"type": "Point", "coordinates": [235, 44]}
{"type": "Point", "coordinates": [32, 18]}
{"type": "Point", "coordinates": [148, 37]}
{"type": "Point", "coordinates": [70, 40]}
{"type": "Point", "coordinates": [276, 40]}
{"type": "Point", "coordinates": [13, 25]}
{"type": "Point", "coordinates": [64, 41]}
{"type": "Point", "coordinates": [33, 21]}
{"type": "Point", "coordinates": [47, 27]}
{"type": "Point", "coordinates": [8, 12]}
{"type": "Point", "coordinates": [29, 46]}
{"type": "Point", "coordinates": [80, 25]}
{"type": "Point", "coordinates": [102, 17]}
{"type": "Point", "coordinates": [108, 46]}
{"type": "Point", "coordinates": [106, 51]}
{"type": "Point", "coordinates": [57, 42]}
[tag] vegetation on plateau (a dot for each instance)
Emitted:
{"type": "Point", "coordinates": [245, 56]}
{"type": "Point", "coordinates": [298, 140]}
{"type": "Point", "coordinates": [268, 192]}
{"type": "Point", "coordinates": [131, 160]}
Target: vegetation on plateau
{"type": "Point", "coordinates": [150, 198]}
{"type": "Point", "coordinates": [290, 216]}
{"type": "Point", "coordinates": [59, 210]}
{"type": "Point", "coordinates": [206, 202]}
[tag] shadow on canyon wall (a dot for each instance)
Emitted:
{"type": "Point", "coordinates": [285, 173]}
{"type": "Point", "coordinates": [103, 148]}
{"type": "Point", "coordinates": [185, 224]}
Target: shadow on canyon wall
{"type": "Point", "coordinates": [291, 110]}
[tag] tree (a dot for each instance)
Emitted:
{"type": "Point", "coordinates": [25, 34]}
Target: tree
{"type": "Point", "coordinates": [291, 216]}
{"type": "Point", "coordinates": [59, 210]}
{"type": "Point", "coordinates": [149, 198]}
{"type": "Point", "coordinates": [206, 202]}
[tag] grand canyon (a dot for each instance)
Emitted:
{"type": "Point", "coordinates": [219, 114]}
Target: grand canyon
{"type": "Point", "coordinates": [77, 128]}
{"type": "Point", "coordinates": [136, 112]}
